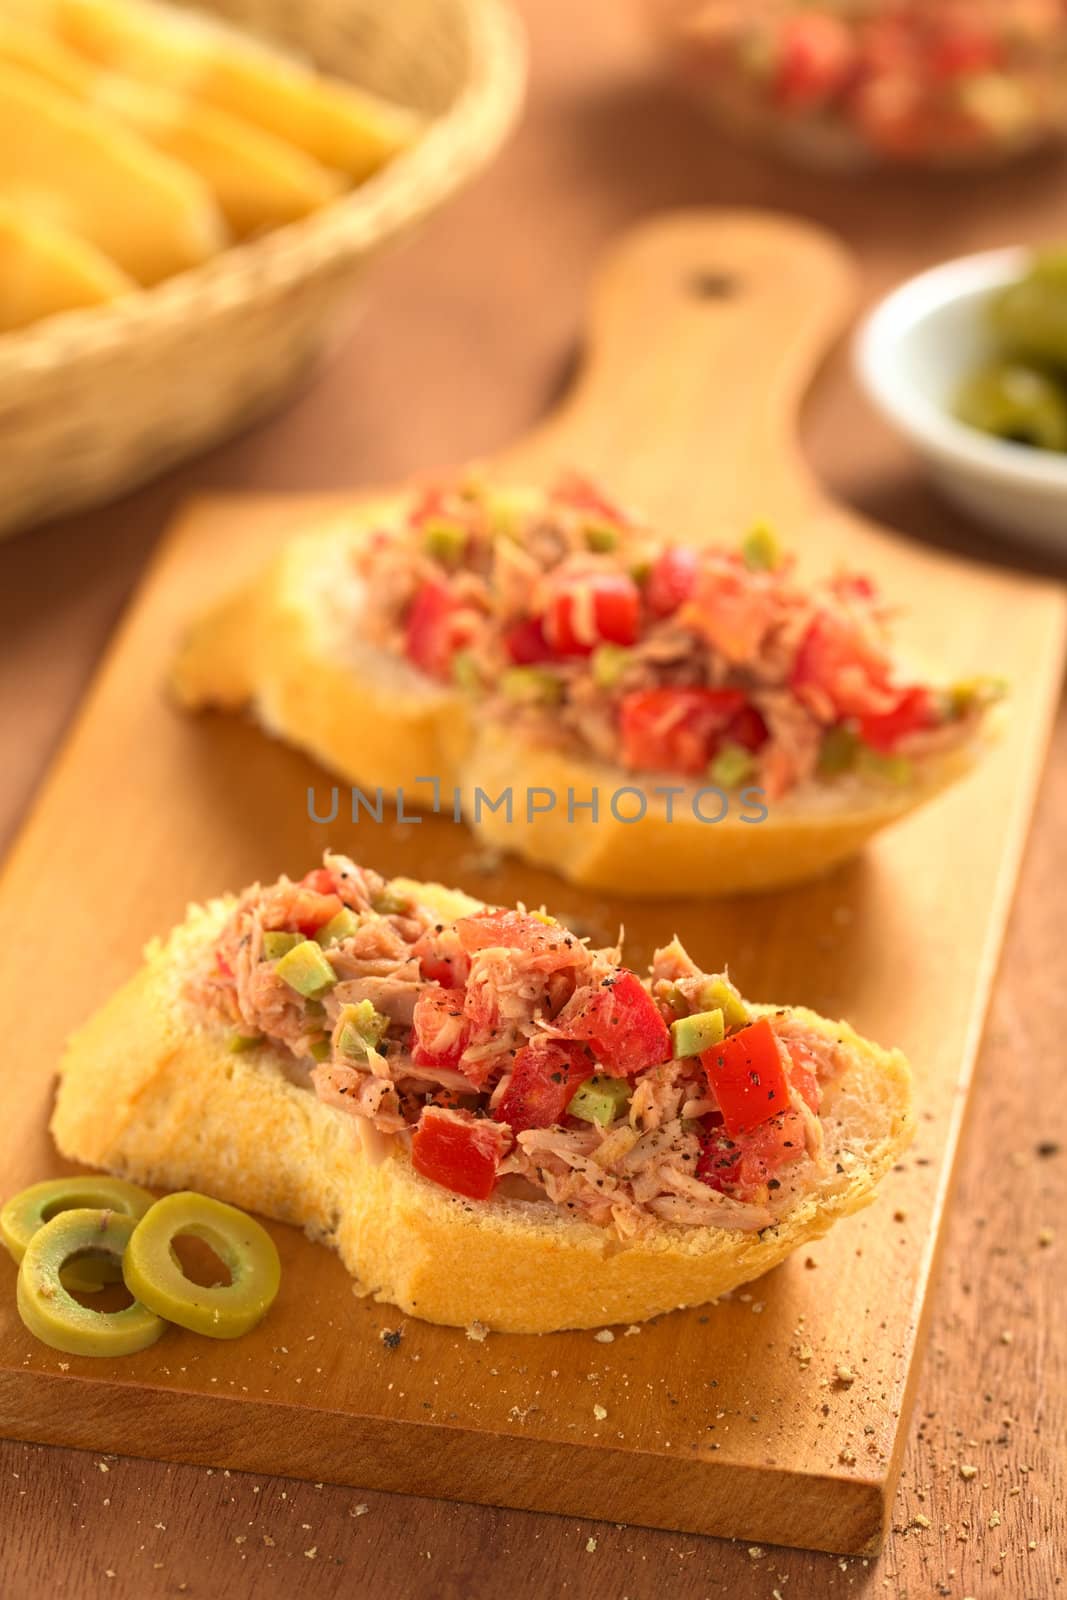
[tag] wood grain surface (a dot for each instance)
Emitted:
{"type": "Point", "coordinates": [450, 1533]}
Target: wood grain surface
{"type": "Point", "coordinates": [602, 144]}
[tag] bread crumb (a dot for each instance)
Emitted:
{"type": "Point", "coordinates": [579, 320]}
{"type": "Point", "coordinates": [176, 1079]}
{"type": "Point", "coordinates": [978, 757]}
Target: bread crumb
{"type": "Point", "coordinates": [1045, 1237]}
{"type": "Point", "coordinates": [1031, 1544]}
{"type": "Point", "coordinates": [1007, 1336]}
{"type": "Point", "coordinates": [605, 1336]}
{"type": "Point", "coordinates": [994, 1521]}
{"type": "Point", "coordinates": [844, 1375]}
{"type": "Point", "coordinates": [847, 1456]}
{"type": "Point", "coordinates": [391, 1337]}
{"type": "Point", "coordinates": [103, 1466]}
{"type": "Point", "coordinates": [478, 1332]}
{"type": "Point", "coordinates": [811, 1263]}
{"type": "Point", "coordinates": [967, 1471]}
{"type": "Point", "coordinates": [312, 1553]}
{"type": "Point", "coordinates": [631, 1330]}
{"type": "Point", "coordinates": [756, 1552]}
{"type": "Point", "coordinates": [359, 1511]}
{"type": "Point", "coordinates": [590, 1545]}
{"type": "Point", "coordinates": [599, 1413]}
{"type": "Point", "coordinates": [919, 1521]}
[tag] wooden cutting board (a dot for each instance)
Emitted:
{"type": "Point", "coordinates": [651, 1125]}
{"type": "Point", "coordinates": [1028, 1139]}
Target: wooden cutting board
{"type": "Point", "coordinates": [732, 1419]}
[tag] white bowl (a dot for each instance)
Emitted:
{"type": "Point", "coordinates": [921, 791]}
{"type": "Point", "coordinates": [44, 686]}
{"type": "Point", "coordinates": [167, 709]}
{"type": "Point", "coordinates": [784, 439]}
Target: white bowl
{"type": "Point", "coordinates": [911, 355]}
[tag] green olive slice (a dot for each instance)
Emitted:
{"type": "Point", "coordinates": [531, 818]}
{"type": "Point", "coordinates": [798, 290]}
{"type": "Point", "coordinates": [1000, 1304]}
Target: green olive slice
{"type": "Point", "coordinates": [53, 1315]}
{"type": "Point", "coordinates": [29, 1210]}
{"type": "Point", "coordinates": [154, 1274]}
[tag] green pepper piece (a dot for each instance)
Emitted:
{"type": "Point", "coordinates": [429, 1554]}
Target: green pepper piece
{"type": "Point", "coordinates": [1016, 403]}
{"type": "Point", "coordinates": [531, 685]}
{"type": "Point", "coordinates": [238, 1043]}
{"type": "Point", "coordinates": [719, 994]}
{"type": "Point", "coordinates": [52, 1314]}
{"type": "Point", "coordinates": [444, 541]}
{"type": "Point", "coordinates": [609, 662]}
{"type": "Point", "coordinates": [307, 970]}
{"type": "Point", "coordinates": [890, 769]}
{"type": "Point", "coordinates": [838, 751]}
{"type": "Point", "coordinates": [465, 672]}
{"type": "Point", "coordinates": [692, 1035]}
{"type": "Point", "coordinates": [27, 1212]}
{"type": "Point", "coordinates": [980, 691]}
{"type": "Point", "coordinates": [602, 537]}
{"type": "Point", "coordinates": [320, 1049]}
{"type": "Point", "coordinates": [276, 945]}
{"type": "Point", "coordinates": [761, 548]}
{"type": "Point", "coordinates": [599, 1099]}
{"type": "Point", "coordinates": [390, 903]}
{"type": "Point", "coordinates": [732, 766]}
{"type": "Point", "coordinates": [154, 1275]}
{"type": "Point", "coordinates": [360, 1029]}
{"type": "Point", "coordinates": [340, 927]}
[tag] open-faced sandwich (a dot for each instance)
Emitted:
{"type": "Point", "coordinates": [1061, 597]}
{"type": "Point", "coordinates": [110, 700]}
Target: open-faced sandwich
{"type": "Point", "coordinates": [643, 716]}
{"type": "Point", "coordinates": [490, 1120]}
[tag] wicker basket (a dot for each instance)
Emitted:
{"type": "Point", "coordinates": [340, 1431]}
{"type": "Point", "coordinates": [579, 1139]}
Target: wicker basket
{"type": "Point", "coordinates": [92, 402]}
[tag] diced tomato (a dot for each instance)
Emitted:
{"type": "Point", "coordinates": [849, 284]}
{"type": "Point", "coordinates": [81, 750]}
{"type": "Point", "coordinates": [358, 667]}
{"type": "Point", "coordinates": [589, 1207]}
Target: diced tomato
{"type": "Point", "coordinates": [817, 58]}
{"type": "Point", "coordinates": [545, 1075]}
{"type": "Point", "coordinates": [915, 711]}
{"type": "Point", "coordinates": [321, 879]}
{"type": "Point", "coordinates": [747, 729]}
{"type": "Point", "coordinates": [671, 581]}
{"type": "Point", "coordinates": [581, 494]}
{"type": "Point", "coordinates": [222, 966]}
{"type": "Point", "coordinates": [961, 52]}
{"type": "Point", "coordinates": [431, 503]}
{"type": "Point", "coordinates": [430, 635]}
{"type": "Point", "coordinates": [746, 1164]}
{"type": "Point", "coordinates": [526, 644]}
{"type": "Point", "coordinates": [603, 608]}
{"type": "Point", "coordinates": [442, 958]}
{"type": "Point", "coordinates": [747, 1077]}
{"type": "Point", "coordinates": [836, 663]}
{"type": "Point", "coordinates": [675, 730]}
{"type": "Point", "coordinates": [458, 1151]}
{"type": "Point", "coordinates": [731, 608]}
{"type": "Point", "coordinates": [622, 1023]}
{"type": "Point", "coordinates": [439, 1028]}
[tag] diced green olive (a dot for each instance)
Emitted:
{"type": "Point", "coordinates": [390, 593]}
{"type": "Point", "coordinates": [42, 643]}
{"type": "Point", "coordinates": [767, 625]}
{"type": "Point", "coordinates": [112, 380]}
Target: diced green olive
{"type": "Point", "coordinates": [691, 1035]}
{"type": "Point", "coordinates": [601, 537]}
{"type": "Point", "coordinates": [465, 672]}
{"type": "Point", "coordinates": [238, 1043]}
{"type": "Point", "coordinates": [1017, 403]}
{"type": "Point", "coordinates": [976, 692]}
{"type": "Point", "coordinates": [761, 548]}
{"type": "Point", "coordinates": [391, 903]}
{"type": "Point", "coordinates": [531, 685]}
{"type": "Point", "coordinates": [154, 1275]}
{"type": "Point", "coordinates": [732, 766]}
{"type": "Point", "coordinates": [306, 969]}
{"type": "Point", "coordinates": [609, 662]}
{"type": "Point", "coordinates": [600, 1099]}
{"type": "Point", "coordinates": [52, 1314]}
{"type": "Point", "coordinates": [340, 927]}
{"type": "Point", "coordinates": [838, 752]}
{"type": "Point", "coordinates": [1030, 321]}
{"type": "Point", "coordinates": [444, 541]}
{"type": "Point", "coordinates": [360, 1029]}
{"type": "Point", "coordinates": [276, 945]}
{"type": "Point", "coordinates": [719, 994]}
{"type": "Point", "coordinates": [27, 1212]}
{"type": "Point", "coordinates": [889, 769]}
{"type": "Point", "coordinates": [507, 510]}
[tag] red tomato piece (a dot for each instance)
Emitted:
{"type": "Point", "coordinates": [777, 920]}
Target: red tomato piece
{"type": "Point", "coordinates": [816, 61]}
{"type": "Point", "coordinates": [915, 711]}
{"type": "Point", "coordinates": [544, 1077]}
{"type": "Point", "coordinates": [747, 1077]}
{"type": "Point", "coordinates": [581, 494]}
{"type": "Point", "coordinates": [747, 729]}
{"type": "Point", "coordinates": [321, 879]}
{"type": "Point", "coordinates": [526, 644]}
{"type": "Point", "coordinates": [748, 1163]}
{"type": "Point", "coordinates": [961, 52]}
{"type": "Point", "coordinates": [439, 1028]}
{"type": "Point", "coordinates": [430, 637]}
{"type": "Point", "coordinates": [459, 1151]}
{"type": "Point", "coordinates": [675, 730]}
{"type": "Point", "coordinates": [803, 1073]}
{"type": "Point", "coordinates": [835, 663]}
{"type": "Point", "coordinates": [622, 1023]}
{"type": "Point", "coordinates": [442, 958]}
{"type": "Point", "coordinates": [603, 608]}
{"type": "Point", "coordinates": [550, 944]}
{"type": "Point", "coordinates": [671, 581]}
{"type": "Point", "coordinates": [430, 503]}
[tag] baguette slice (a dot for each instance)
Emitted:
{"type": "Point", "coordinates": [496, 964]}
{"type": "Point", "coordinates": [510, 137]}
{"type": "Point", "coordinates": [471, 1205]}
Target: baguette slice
{"type": "Point", "coordinates": [287, 648]}
{"type": "Point", "coordinates": [149, 1090]}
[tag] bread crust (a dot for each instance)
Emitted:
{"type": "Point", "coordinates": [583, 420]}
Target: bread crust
{"type": "Point", "coordinates": [149, 1091]}
{"type": "Point", "coordinates": [284, 648]}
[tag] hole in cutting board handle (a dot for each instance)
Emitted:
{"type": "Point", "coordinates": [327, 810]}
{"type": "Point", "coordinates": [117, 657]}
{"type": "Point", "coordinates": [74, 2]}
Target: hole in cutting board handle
{"type": "Point", "coordinates": [712, 285]}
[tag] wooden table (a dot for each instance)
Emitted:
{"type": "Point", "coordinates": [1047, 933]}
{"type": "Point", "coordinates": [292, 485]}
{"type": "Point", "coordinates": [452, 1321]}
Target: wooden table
{"type": "Point", "coordinates": [466, 336]}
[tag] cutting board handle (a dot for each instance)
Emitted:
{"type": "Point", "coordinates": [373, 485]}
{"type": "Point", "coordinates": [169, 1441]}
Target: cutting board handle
{"type": "Point", "coordinates": [705, 329]}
